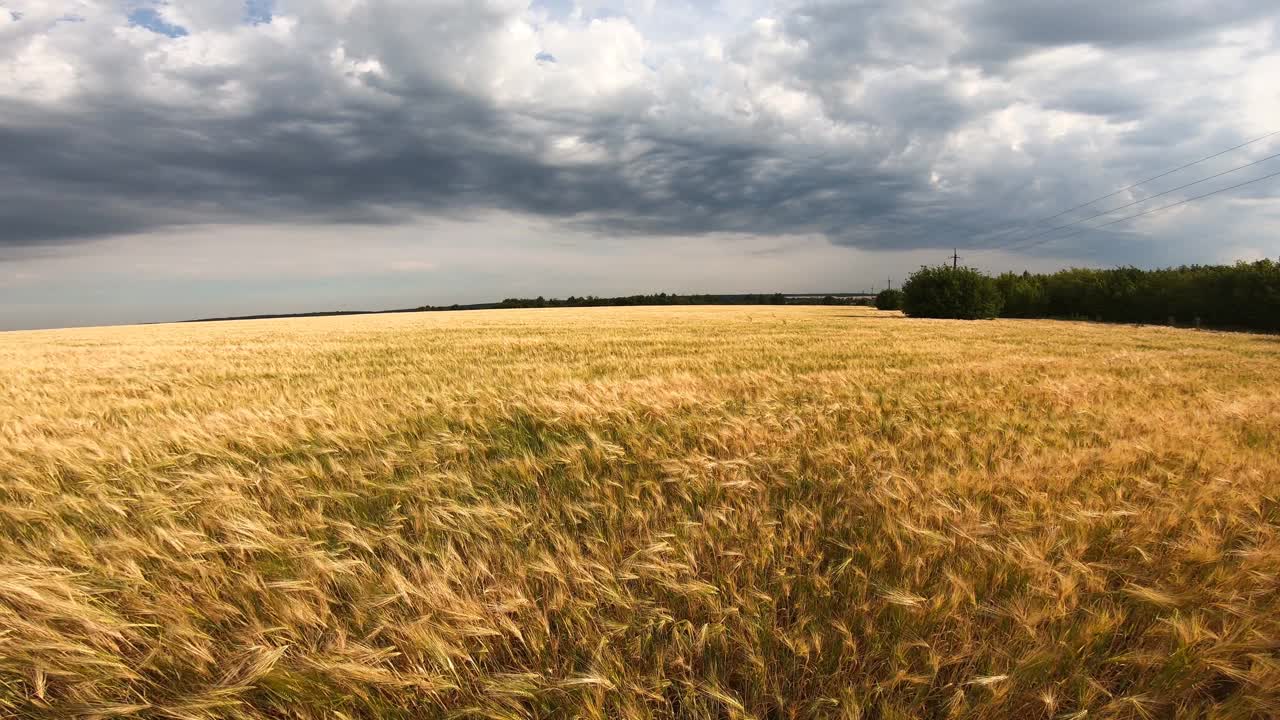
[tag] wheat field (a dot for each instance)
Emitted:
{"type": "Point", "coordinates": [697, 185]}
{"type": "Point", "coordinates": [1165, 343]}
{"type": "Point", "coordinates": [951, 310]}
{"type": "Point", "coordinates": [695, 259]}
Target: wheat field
{"type": "Point", "coordinates": [775, 512]}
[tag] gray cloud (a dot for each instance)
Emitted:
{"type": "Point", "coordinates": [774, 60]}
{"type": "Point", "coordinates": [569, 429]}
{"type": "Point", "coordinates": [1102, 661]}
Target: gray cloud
{"type": "Point", "coordinates": [1030, 24]}
{"type": "Point", "coordinates": [884, 125]}
{"type": "Point", "coordinates": [110, 169]}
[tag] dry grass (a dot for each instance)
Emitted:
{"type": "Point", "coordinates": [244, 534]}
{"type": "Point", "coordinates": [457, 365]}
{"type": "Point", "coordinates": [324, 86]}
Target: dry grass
{"type": "Point", "coordinates": [692, 513]}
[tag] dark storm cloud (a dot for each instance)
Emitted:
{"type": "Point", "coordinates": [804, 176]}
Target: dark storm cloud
{"type": "Point", "coordinates": [102, 168]}
{"type": "Point", "coordinates": [1109, 103]}
{"type": "Point", "coordinates": [1017, 27]}
{"type": "Point", "coordinates": [105, 169]}
{"type": "Point", "coordinates": [889, 165]}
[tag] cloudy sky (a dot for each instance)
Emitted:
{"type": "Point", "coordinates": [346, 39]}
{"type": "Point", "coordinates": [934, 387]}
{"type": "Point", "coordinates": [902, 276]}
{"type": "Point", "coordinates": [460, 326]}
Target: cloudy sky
{"type": "Point", "coordinates": [168, 160]}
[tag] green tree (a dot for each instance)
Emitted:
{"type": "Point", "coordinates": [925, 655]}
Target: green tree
{"type": "Point", "coordinates": [1244, 295]}
{"type": "Point", "coordinates": [956, 293]}
{"type": "Point", "coordinates": [889, 300]}
{"type": "Point", "coordinates": [1024, 295]}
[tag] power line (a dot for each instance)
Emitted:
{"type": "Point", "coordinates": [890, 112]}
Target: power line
{"type": "Point", "coordinates": [1012, 245]}
{"type": "Point", "coordinates": [1140, 182]}
{"type": "Point", "coordinates": [1156, 210]}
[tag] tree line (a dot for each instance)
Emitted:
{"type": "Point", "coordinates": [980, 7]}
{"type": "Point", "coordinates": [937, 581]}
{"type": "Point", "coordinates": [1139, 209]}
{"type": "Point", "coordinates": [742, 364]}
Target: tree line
{"type": "Point", "coordinates": [673, 299]}
{"type": "Point", "coordinates": [1245, 295]}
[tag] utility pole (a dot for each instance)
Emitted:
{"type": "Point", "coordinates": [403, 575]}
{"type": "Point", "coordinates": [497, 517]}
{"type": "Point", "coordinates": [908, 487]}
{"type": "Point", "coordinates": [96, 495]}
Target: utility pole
{"type": "Point", "coordinates": [955, 259]}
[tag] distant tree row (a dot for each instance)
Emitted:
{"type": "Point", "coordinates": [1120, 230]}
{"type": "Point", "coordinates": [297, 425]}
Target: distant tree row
{"type": "Point", "coordinates": [637, 300]}
{"type": "Point", "coordinates": [1244, 295]}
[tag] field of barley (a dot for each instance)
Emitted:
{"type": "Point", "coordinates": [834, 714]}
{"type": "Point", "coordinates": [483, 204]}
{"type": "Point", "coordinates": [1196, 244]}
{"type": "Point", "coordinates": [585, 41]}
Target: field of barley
{"type": "Point", "coordinates": [773, 513]}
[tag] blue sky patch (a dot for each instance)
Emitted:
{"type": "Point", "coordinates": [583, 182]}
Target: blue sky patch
{"type": "Point", "coordinates": [258, 12]}
{"type": "Point", "coordinates": [545, 57]}
{"type": "Point", "coordinates": [151, 19]}
{"type": "Point", "coordinates": [558, 8]}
